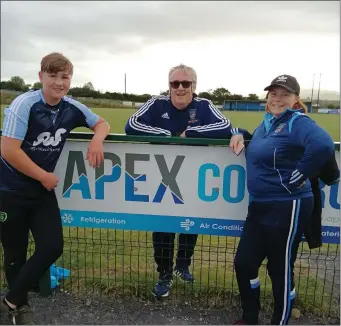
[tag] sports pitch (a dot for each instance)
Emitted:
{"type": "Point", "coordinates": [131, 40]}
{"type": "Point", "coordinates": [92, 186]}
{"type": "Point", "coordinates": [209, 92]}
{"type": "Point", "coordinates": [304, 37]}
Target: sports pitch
{"type": "Point", "coordinates": [247, 120]}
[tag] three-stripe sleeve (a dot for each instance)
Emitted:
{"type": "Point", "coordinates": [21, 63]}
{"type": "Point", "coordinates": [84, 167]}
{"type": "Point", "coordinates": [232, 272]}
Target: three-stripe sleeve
{"type": "Point", "coordinates": [140, 122]}
{"type": "Point", "coordinates": [17, 115]}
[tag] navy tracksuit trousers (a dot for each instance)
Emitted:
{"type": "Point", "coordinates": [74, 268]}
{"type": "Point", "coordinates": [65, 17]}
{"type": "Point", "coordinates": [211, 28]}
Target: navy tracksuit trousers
{"type": "Point", "coordinates": [272, 230]}
{"type": "Point", "coordinates": [163, 243]}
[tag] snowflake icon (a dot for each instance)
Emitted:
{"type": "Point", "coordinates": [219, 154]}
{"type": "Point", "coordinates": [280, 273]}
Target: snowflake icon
{"type": "Point", "coordinates": [67, 218]}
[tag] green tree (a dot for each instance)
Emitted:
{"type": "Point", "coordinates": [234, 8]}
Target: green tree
{"type": "Point", "coordinates": [143, 97]}
{"type": "Point", "coordinates": [253, 97]}
{"type": "Point", "coordinates": [16, 83]}
{"type": "Point", "coordinates": [4, 85]}
{"type": "Point", "coordinates": [206, 95]}
{"type": "Point", "coordinates": [236, 97]}
{"type": "Point", "coordinates": [37, 85]}
{"type": "Point", "coordinates": [331, 106]}
{"type": "Point", "coordinates": [89, 86]}
{"type": "Point", "coordinates": [219, 95]}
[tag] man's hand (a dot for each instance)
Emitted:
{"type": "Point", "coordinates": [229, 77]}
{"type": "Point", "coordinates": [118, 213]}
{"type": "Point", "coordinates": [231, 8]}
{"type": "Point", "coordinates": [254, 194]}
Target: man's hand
{"type": "Point", "coordinates": [49, 181]}
{"type": "Point", "coordinates": [183, 135]}
{"type": "Point", "coordinates": [235, 141]}
{"type": "Point", "coordinates": [95, 154]}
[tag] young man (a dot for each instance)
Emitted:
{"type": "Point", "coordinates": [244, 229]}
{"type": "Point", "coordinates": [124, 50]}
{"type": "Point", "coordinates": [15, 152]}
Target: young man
{"type": "Point", "coordinates": [183, 114]}
{"type": "Point", "coordinates": [35, 129]}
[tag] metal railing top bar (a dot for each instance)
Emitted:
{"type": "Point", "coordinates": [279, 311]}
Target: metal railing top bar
{"type": "Point", "coordinates": [151, 139]}
{"type": "Point", "coordinates": [158, 139]}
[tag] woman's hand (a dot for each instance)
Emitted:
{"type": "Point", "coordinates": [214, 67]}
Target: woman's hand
{"type": "Point", "coordinates": [234, 142]}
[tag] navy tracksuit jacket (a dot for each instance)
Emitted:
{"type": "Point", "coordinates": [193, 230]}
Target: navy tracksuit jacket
{"type": "Point", "coordinates": [159, 117]}
{"type": "Point", "coordinates": [282, 154]}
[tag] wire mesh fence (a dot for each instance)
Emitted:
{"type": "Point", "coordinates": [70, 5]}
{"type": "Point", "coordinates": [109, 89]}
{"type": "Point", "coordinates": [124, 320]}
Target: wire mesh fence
{"type": "Point", "coordinates": [120, 263]}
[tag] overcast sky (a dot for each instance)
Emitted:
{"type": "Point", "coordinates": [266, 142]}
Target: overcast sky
{"type": "Point", "coordinates": [238, 45]}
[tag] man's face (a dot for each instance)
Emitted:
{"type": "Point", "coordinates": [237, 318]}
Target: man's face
{"type": "Point", "coordinates": [55, 85]}
{"type": "Point", "coordinates": [180, 89]}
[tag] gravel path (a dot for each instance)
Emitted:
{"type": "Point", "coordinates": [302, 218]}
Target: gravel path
{"type": "Point", "coordinates": [68, 309]}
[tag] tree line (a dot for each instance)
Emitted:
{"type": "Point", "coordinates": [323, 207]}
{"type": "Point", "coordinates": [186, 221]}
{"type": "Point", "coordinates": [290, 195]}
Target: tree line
{"type": "Point", "coordinates": [217, 96]}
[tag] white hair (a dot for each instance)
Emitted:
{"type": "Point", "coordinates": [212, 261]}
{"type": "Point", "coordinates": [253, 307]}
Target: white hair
{"type": "Point", "coordinates": [187, 70]}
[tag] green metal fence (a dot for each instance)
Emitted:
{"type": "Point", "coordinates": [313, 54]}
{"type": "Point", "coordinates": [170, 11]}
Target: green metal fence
{"type": "Point", "coordinates": [120, 263]}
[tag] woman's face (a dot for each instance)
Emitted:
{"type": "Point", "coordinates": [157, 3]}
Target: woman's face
{"type": "Point", "coordinates": [279, 99]}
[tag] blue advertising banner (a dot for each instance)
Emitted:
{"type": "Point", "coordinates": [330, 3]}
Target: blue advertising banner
{"type": "Point", "coordinates": [171, 188]}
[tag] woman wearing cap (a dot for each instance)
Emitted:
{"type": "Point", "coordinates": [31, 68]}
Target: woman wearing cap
{"type": "Point", "coordinates": [285, 150]}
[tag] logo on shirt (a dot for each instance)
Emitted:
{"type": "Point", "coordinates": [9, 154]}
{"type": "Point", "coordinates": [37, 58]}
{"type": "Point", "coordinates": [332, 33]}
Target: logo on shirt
{"type": "Point", "coordinates": [282, 79]}
{"type": "Point", "coordinates": [279, 128]}
{"type": "Point", "coordinates": [165, 116]}
{"type": "Point", "coordinates": [48, 140]}
{"type": "Point", "coordinates": [3, 216]}
{"type": "Point", "coordinates": [192, 116]}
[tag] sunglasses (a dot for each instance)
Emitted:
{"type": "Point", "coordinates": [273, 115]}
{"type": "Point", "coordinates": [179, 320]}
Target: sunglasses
{"type": "Point", "coordinates": [176, 84]}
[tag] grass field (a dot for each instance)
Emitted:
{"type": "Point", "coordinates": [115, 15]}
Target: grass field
{"type": "Point", "coordinates": [121, 262]}
{"type": "Point", "coordinates": [247, 120]}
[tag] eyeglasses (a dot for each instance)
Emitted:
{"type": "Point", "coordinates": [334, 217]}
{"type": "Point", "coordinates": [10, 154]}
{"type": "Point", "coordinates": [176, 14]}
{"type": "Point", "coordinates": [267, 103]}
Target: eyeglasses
{"type": "Point", "coordinates": [176, 84]}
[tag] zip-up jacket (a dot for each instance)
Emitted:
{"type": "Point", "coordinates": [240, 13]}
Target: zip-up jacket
{"type": "Point", "coordinates": [283, 153]}
{"type": "Point", "coordinates": [159, 117]}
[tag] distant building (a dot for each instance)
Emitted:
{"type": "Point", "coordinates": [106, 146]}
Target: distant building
{"type": "Point", "coordinates": [245, 105]}
{"type": "Point", "coordinates": [328, 111]}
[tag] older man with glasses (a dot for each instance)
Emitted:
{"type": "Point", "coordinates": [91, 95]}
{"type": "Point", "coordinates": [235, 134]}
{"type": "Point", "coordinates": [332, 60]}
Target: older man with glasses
{"type": "Point", "coordinates": [182, 114]}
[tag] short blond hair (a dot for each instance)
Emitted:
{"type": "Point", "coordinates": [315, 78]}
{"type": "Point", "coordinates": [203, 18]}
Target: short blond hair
{"type": "Point", "coordinates": [56, 62]}
{"type": "Point", "coordinates": [187, 70]}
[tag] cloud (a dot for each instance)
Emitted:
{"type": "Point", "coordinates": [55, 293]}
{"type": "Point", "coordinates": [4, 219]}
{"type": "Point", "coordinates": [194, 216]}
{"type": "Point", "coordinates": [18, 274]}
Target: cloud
{"type": "Point", "coordinates": [88, 30]}
{"type": "Point", "coordinates": [221, 39]}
